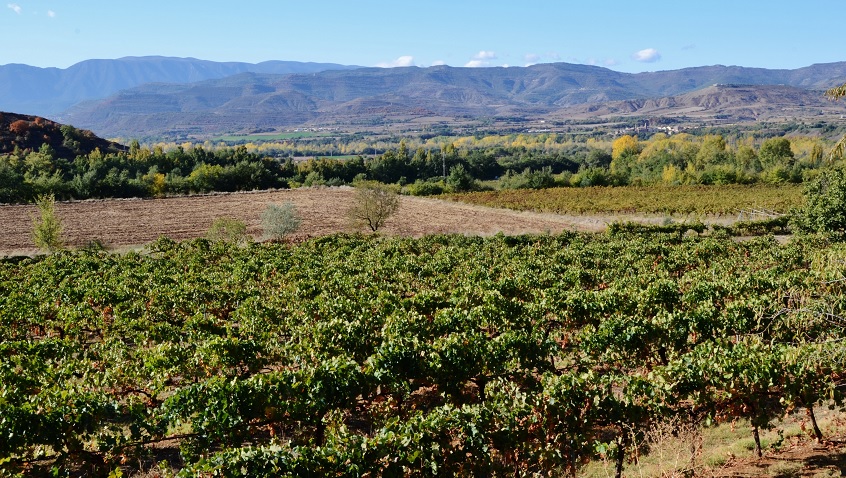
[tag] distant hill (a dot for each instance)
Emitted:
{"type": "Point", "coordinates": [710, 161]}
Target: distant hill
{"type": "Point", "coordinates": [258, 101]}
{"type": "Point", "coordinates": [738, 102]}
{"type": "Point", "coordinates": [31, 132]}
{"type": "Point", "coordinates": [47, 91]}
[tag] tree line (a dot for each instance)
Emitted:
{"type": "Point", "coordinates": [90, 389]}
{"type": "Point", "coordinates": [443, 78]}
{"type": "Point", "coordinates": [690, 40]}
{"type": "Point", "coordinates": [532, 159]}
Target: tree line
{"type": "Point", "coordinates": [450, 167]}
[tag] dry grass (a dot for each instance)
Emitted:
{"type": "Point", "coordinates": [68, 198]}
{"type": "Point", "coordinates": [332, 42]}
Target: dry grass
{"type": "Point", "coordinates": [727, 450]}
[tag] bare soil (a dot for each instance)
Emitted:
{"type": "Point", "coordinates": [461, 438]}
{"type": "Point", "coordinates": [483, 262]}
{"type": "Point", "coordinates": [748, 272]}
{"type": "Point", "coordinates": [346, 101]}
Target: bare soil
{"type": "Point", "coordinates": [123, 223]}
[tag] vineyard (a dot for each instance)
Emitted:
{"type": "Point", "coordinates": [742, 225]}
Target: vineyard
{"type": "Point", "coordinates": [446, 355]}
{"type": "Point", "coordinates": [670, 200]}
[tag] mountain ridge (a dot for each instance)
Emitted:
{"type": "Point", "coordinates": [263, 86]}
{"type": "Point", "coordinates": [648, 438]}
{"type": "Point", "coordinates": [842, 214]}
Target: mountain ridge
{"type": "Point", "coordinates": [253, 100]}
{"type": "Point", "coordinates": [48, 91]}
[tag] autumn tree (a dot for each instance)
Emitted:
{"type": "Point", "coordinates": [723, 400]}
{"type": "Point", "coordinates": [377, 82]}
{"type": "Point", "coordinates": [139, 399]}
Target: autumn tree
{"type": "Point", "coordinates": [19, 127]}
{"type": "Point", "coordinates": [624, 152]}
{"type": "Point", "coordinates": [625, 146]}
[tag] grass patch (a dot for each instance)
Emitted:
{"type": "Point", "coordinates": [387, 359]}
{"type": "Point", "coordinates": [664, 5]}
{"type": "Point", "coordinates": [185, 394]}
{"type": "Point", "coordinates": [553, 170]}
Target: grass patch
{"type": "Point", "coordinates": [684, 450]}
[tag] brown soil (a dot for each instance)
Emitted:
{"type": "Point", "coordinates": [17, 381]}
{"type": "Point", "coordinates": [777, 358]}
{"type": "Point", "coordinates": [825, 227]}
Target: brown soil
{"type": "Point", "coordinates": [131, 222]}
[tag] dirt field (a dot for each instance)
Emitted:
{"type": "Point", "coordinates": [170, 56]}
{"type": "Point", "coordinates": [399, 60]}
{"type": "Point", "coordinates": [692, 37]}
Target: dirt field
{"type": "Point", "coordinates": [123, 223]}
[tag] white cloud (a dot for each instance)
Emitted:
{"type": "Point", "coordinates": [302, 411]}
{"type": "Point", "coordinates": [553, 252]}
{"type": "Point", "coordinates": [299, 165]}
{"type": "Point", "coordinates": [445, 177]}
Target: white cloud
{"type": "Point", "coordinates": [51, 14]}
{"type": "Point", "coordinates": [484, 55]}
{"type": "Point", "coordinates": [530, 59]}
{"type": "Point", "coordinates": [14, 7]}
{"type": "Point", "coordinates": [554, 56]}
{"type": "Point", "coordinates": [438, 63]}
{"type": "Point", "coordinates": [649, 55]}
{"type": "Point", "coordinates": [481, 59]}
{"type": "Point", "coordinates": [405, 60]}
{"type": "Point", "coordinates": [610, 62]}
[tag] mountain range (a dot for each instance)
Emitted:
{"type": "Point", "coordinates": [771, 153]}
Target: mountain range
{"type": "Point", "coordinates": [154, 96]}
{"type": "Point", "coordinates": [48, 91]}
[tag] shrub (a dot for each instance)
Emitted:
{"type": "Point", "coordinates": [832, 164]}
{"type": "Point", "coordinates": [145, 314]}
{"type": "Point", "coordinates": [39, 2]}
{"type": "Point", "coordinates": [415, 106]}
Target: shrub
{"type": "Point", "coordinates": [528, 179]}
{"type": "Point", "coordinates": [824, 210]}
{"type": "Point", "coordinates": [226, 229]}
{"type": "Point", "coordinates": [425, 188]}
{"type": "Point", "coordinates": [279, 220]}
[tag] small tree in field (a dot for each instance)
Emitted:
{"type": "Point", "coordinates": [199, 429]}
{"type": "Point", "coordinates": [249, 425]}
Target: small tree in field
{"type": "Point", "coordinates": [46, 227]}
{"type": "Point", "coordinates": [374, 203]}
{"type": "Point", "coordinates": [279, 220]}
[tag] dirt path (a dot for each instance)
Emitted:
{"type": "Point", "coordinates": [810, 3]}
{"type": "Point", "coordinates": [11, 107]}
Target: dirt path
{"type": "Point", "coordinates": [121, 223]}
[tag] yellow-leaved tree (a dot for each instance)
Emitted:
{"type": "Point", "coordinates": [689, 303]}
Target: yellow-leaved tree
{"type": "Point", "coordinates": [624, 152]}
{"type": "Point", "coordinates": [625, 146]}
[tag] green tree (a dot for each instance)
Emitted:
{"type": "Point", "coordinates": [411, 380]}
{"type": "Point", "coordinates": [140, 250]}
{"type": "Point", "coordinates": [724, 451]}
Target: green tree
{"type": "Point", "coordinates": [459, 180]}
{"type": "Point", "coordinates": [775, 152]}
{"type": "Point", "coordinates": [712, 152]}
{"type": "Point", "coordinates": [597, 158]}
{"type": "Point", "coordinates": [747, 159]}
{"type": "Point", "coordinates": [47, 228]}
{"type": "Point", "coordinates": [373, 204]}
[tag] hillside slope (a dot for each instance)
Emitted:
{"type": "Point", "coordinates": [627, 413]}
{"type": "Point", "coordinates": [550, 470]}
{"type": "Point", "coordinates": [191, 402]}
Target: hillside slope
{"type": "Point", "coordinates": [31, 132]}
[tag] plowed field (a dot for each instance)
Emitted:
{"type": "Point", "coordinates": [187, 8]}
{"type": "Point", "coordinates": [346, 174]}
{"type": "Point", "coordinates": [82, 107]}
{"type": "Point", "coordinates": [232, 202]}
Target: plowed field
{"type": "Point", "coordinates": [119, 223]}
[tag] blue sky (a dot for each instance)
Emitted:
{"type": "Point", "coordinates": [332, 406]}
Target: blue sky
{"type": "Point", "coordinates": [621, 35]}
